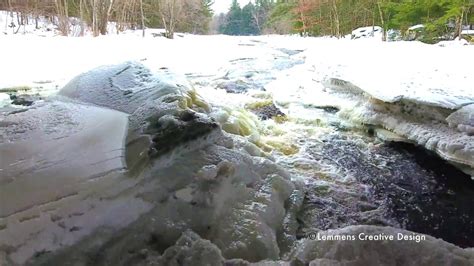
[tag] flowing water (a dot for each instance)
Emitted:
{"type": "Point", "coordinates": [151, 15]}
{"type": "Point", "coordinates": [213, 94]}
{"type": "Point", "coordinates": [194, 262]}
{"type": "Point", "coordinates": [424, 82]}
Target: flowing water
{"type": "Point", "coordinates": [351, 177]}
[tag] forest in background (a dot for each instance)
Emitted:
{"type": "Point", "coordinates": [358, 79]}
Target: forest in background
{"type": "Point", "coordinates": [443, 19]}
{"type": "Point", "coordinates": [193, 16]}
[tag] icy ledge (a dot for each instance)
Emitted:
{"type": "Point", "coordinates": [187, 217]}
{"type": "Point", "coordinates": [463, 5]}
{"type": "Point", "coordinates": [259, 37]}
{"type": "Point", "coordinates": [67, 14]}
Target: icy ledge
{"type": "Point", "coordinates": [448, 132]}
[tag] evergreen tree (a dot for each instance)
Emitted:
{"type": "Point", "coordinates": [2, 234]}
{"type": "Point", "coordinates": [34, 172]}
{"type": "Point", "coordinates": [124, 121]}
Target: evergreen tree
{"type": "Point", "coordinates": [233, 20]}
{"type": "Point", "coordinates": [281, 19]}
{"type": "Point", "coordinates": [248, 25]}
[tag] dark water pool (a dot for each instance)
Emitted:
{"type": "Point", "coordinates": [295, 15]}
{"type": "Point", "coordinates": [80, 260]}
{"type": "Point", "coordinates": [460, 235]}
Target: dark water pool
{"type": "Point", "coordinates": [406, 186]}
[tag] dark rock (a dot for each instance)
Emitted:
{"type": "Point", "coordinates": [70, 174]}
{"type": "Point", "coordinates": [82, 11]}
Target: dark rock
{"type": "Point", "coordinates": [25, 100]}
{"type": "Point", "coordinates": [169, 132]}
{"type": "Point", "coordinates": [238, 86]}
{"type": "Point", "coordinates": [234, 86]}
{"type": "Point", "coordinates": [268, 112]}
{"type": "Point", "coordinates": [330, 109]}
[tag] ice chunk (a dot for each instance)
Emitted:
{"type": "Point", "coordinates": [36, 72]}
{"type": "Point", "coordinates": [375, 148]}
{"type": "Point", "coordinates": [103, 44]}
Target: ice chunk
{"type": "Point", "coordinates": [48, 150]}
{"type": "Point", "coordinates": [165, 112]}
{"type": "Point", "coordinates": [463, 119]}
{"type": "Point", "coordinates": [62, 177]}
{"type": "Point", "coordinates": [387, 135]}
{"type": "Point", "coordinates": [248, 229]}
{"type": "Point", "coordinates": [190, 249]}
{"type": "Point", "coordinates": [129, 86]}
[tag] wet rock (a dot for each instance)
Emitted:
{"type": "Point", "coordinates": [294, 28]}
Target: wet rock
{"type": "Point", "coordinates": [234, 86]}
{"type": "Point", "coordinates": [330, 109]}
{"type": "Point", "coordinates": [266, 111]}
{"type": "Point", "coordinates": [25, 100]}
{"type": "Point", "coordinates": [168, 132]}
{"type": "Point", "coordinates": [326, 108]}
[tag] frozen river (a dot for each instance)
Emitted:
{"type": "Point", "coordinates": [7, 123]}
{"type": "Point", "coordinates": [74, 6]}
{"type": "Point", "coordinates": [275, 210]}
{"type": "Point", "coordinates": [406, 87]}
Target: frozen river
{"type": "Point", "coordinates": [252, 143]}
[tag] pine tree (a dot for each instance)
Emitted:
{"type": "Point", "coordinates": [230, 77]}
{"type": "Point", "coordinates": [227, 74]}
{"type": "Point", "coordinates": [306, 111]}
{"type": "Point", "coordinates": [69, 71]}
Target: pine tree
{"type": "Point", "coordinates": [248, 24]}
{"type": "Point", "coordinates": [233, 20]}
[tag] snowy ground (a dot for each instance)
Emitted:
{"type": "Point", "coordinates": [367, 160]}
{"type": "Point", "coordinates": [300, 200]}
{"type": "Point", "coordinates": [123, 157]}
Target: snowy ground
{"type": "Point", "coordinates": [293, 112]}
{"type": "Point", "coordinates": [427, 75]}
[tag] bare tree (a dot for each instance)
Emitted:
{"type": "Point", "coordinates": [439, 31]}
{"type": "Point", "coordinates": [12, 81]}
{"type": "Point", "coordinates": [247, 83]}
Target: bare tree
{"type": "Point", "coordinates": [142, 18]}
{"type": "Point", "coordinates": [337, 28]}
{"type": "Point", "coordinates": [169, 12]}
{"type": "Point", "coordinates": [63, 16]}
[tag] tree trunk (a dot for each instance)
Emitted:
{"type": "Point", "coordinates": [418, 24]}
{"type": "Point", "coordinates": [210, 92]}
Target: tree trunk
{"type": "Point", "coordinates": [303, 32]}
{"type": "Point", "coordinates": [336, 19]}
{"type": "Point", "coordinates": [81, 17]}
{"type": "Point", "coordinates": [168, 10]}
{"type": "Point", "coordinates": [61, 11]}
{"type": "Point", "coordinates": [95, 29]}
{"type": "Point", "coordinates": [143, 18]}
{"type": "Point", "coordinates": [382, 20]}
{"type": "Point", "coordinates": [459, 24]}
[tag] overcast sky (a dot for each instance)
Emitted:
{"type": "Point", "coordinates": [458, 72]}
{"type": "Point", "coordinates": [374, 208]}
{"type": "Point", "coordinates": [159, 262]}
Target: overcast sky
{"type": "Point", "coordinates": [222, 6]}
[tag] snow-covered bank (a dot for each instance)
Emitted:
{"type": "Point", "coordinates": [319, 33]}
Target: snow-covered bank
{"type": "Point", "coordinates": [392, 85]}
{"type": "Point", "coordinates": [418, 122]}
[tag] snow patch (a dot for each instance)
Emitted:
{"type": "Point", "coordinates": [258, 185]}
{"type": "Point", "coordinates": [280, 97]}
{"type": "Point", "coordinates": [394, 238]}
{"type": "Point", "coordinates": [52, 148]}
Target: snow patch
{"type": "Point", "coordinates": [367, 32]}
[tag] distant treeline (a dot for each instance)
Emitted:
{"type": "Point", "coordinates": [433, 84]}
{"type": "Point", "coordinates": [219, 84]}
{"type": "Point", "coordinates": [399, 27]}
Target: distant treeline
{"type": "Point", "coordinates": [173, 15]}
{"type": "Point", "coordinates": [441, 18]}
{"type": "Point", "coordinates": [340, 17]}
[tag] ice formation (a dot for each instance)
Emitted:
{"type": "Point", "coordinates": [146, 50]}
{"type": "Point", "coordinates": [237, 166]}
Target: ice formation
{"type": "Point", "coordinates": [463, 119]}
{"type": "Point", "coordinates": [437, 116]}
{"type": "Point", "coordinates": [200, 179]}
{"type": "Point", "coordinates": [429, 124]}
